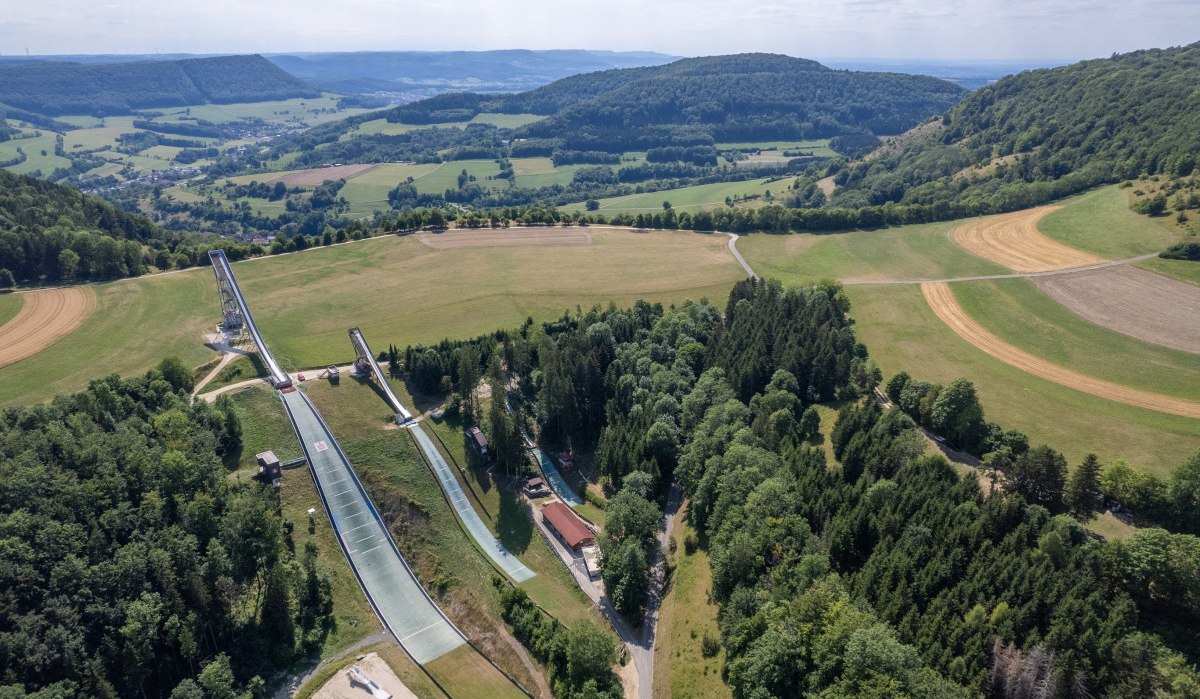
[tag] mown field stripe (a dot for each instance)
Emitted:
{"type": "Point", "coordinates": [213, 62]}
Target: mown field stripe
{"type": "Point", "coordinates": [941, 300]}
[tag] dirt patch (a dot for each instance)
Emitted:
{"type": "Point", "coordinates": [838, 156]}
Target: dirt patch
{"type": "Point", "coordinates": [827, 185]}
{"type": "Point", "coordinates": [1014, 241]}
{"type": "Point", "coordinates": [1132, 301]}
{"type": "Point", "coordinates": [45, 318]}
{"type": "Point", "coordinates": [318, 175]}
{"type": "Point", "coordinates": [512, 237]}
{"type": "Point", "coordinates": [946, 307]}
{"type": "Point", "coordinates": [340, 686]}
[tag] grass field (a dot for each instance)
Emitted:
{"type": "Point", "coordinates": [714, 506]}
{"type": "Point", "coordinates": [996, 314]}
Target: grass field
{"type": "Point", "coordinates": [1183, 270]}
{"type": "Point", "coordinates": [921, 251]}
{"type": "Point", "coordinates": [368, 191]}
{"type": "Point", "coordinates": [10, 305]}
{"type": "Point", "coordinates": [1101, 223]}
{"type": "Point", "coordinates": [818, 146]}
{"type": "Point", "coordinates": [33, 147]}
{"type": "Point", "coordinates": [312, 111]}
{"type": "Point", "coordinates": [136, 324]}
{"type": "Point", "coordinates": [902, 333]}
{"type": "Point", "coordinates": [397, 289]}
{"type": "Point", "coordinates": [695, 198]}
{"type": "Point", "coordinates": [687, 616]}
{"type": "Point", "coordinates": [1018, 313]}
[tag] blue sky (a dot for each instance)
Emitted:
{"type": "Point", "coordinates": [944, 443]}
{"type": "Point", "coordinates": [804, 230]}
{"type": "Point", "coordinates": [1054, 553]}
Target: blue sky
{"type": "Point", "coordinates": [941, 29]}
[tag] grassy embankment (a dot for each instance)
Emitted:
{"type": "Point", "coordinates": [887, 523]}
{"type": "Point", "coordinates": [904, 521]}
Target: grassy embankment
{"type": "Point", "coordinates": [687, 617]}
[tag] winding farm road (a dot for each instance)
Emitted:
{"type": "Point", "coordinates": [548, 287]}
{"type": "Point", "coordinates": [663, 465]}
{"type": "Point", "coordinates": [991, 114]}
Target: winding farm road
{"type": "Point", "coordinates": [733, 238]}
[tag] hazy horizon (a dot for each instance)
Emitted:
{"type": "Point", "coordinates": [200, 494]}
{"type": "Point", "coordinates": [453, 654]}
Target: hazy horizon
{"type": "Point", "coordinates": [963, 30]}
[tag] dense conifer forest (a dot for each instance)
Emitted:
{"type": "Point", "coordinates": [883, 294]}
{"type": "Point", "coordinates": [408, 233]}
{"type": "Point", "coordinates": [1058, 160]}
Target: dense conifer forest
{"type": "Point", "coordinates": [882, 573]}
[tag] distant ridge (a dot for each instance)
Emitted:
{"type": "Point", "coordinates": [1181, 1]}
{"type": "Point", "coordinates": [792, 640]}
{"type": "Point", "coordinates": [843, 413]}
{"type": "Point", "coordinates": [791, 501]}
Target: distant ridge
{"type": "Point", "coordinates": [696, 101]}
{"type": "Point", "coordinates": [101, 89]}
{"type": "Point", "coordinates": [410, 75]}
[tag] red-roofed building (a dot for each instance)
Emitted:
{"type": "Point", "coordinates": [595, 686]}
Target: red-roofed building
{"type": "Point", "coordinates": [566, 526]}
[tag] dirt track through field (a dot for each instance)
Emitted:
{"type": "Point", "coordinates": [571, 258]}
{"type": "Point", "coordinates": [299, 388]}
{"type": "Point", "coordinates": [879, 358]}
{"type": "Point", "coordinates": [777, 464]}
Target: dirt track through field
{"type": "Point", "coordinates": [946, 307]}
{"type": "Point", "coordinates": [1014, 241]}
{"type": "Point", "coordinates": [1134, 302]}
{"type": "Point", "coordinates": [45, 318]}
{"type": "Point", "coordinates": [513, 237]}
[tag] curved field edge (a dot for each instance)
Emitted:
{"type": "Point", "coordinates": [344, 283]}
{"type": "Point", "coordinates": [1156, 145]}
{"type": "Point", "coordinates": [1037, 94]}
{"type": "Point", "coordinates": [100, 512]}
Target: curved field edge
{"type": "Point", "coordinates": [1100, 222]}
{"type": "Point", "coordinates": [136, 323]}
{"type": "Point", "coordinates": [46, 317]}
{"type": "Point", "coordinates": [903, 334]}
{"type": "Point", "coordinates": [395, 289]}
{"type": "Point", "coordinates": [1018, 313]}
{"type": "Point", "coordinates": [941, 299]}
{"type": "Point", "coordinates": [10, 306]}
{"type": "Point", "coordinates": [920, 251]}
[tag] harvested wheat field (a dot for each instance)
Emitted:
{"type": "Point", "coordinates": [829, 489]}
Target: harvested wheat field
{"type": "Point", "coordinates": [1132, 301]}
{"type": "Point", "coordinates": [1014, 241]}
{"type": "Point", "coordinates": [318, 175]}
{"type": "Point", "coordinates": [508, 237]}
{"type": "Point", "coordinates": [945, 306]}
{"type": "Point", "coordinates": [45, 318]}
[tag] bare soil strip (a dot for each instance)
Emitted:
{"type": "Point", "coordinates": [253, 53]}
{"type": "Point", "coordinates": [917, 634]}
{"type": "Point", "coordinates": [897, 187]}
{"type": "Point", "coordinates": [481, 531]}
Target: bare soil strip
{"type": "Point", "coordinates": [946, 307]}
{"type": "Point", "coordinates": [1134, 302]}
{"type": "Point", "coordinates": [318, 175]}
{"type": "Point", "coordinates": [1014, 241]}
{"type": "Point", "coordinates": [45, 318]}
{"type": "Point", "coordinates": [512, 237]}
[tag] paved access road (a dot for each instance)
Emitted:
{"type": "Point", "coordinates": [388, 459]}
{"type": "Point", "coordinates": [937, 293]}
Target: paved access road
{"type": "Point", "coordinates": [398, 598]}
{"type": "Point", "coordinates": [483, 536]}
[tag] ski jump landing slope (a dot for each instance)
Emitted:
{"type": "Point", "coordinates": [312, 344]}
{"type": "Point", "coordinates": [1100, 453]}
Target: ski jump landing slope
{"type": "Point", "coordinates": [398, 599]}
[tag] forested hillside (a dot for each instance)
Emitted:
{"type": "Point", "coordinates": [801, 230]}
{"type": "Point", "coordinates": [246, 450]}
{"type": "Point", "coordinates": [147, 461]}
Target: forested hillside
{"type": "Point", "coordinates": [52, 233]}
{"type": "Point", "coordinates": [1044, 134]}
{"type": "Point", "coordinates": [130, 563]}
{"type": "Point", "coordinates": [101, 89]}
{"type": "Point", "coordinates": [881, 572]}
{"type": "Point", "coordinates": [706, 100]}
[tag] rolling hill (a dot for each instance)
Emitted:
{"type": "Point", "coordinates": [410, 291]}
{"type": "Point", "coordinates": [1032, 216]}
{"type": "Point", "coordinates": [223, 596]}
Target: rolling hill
{"type": "Point", "coordinates": [1044, 134]}
{"type": "Point", "coordinates": [696, 101]}
{"type": "Point", "coordinates": [101, 89]}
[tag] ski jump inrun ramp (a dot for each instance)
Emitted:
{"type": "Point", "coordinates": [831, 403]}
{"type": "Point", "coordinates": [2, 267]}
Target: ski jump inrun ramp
{"type": "Point", "coordinates": [403, 606]}
{"type": "Point", "coordinates": [475, 526]}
